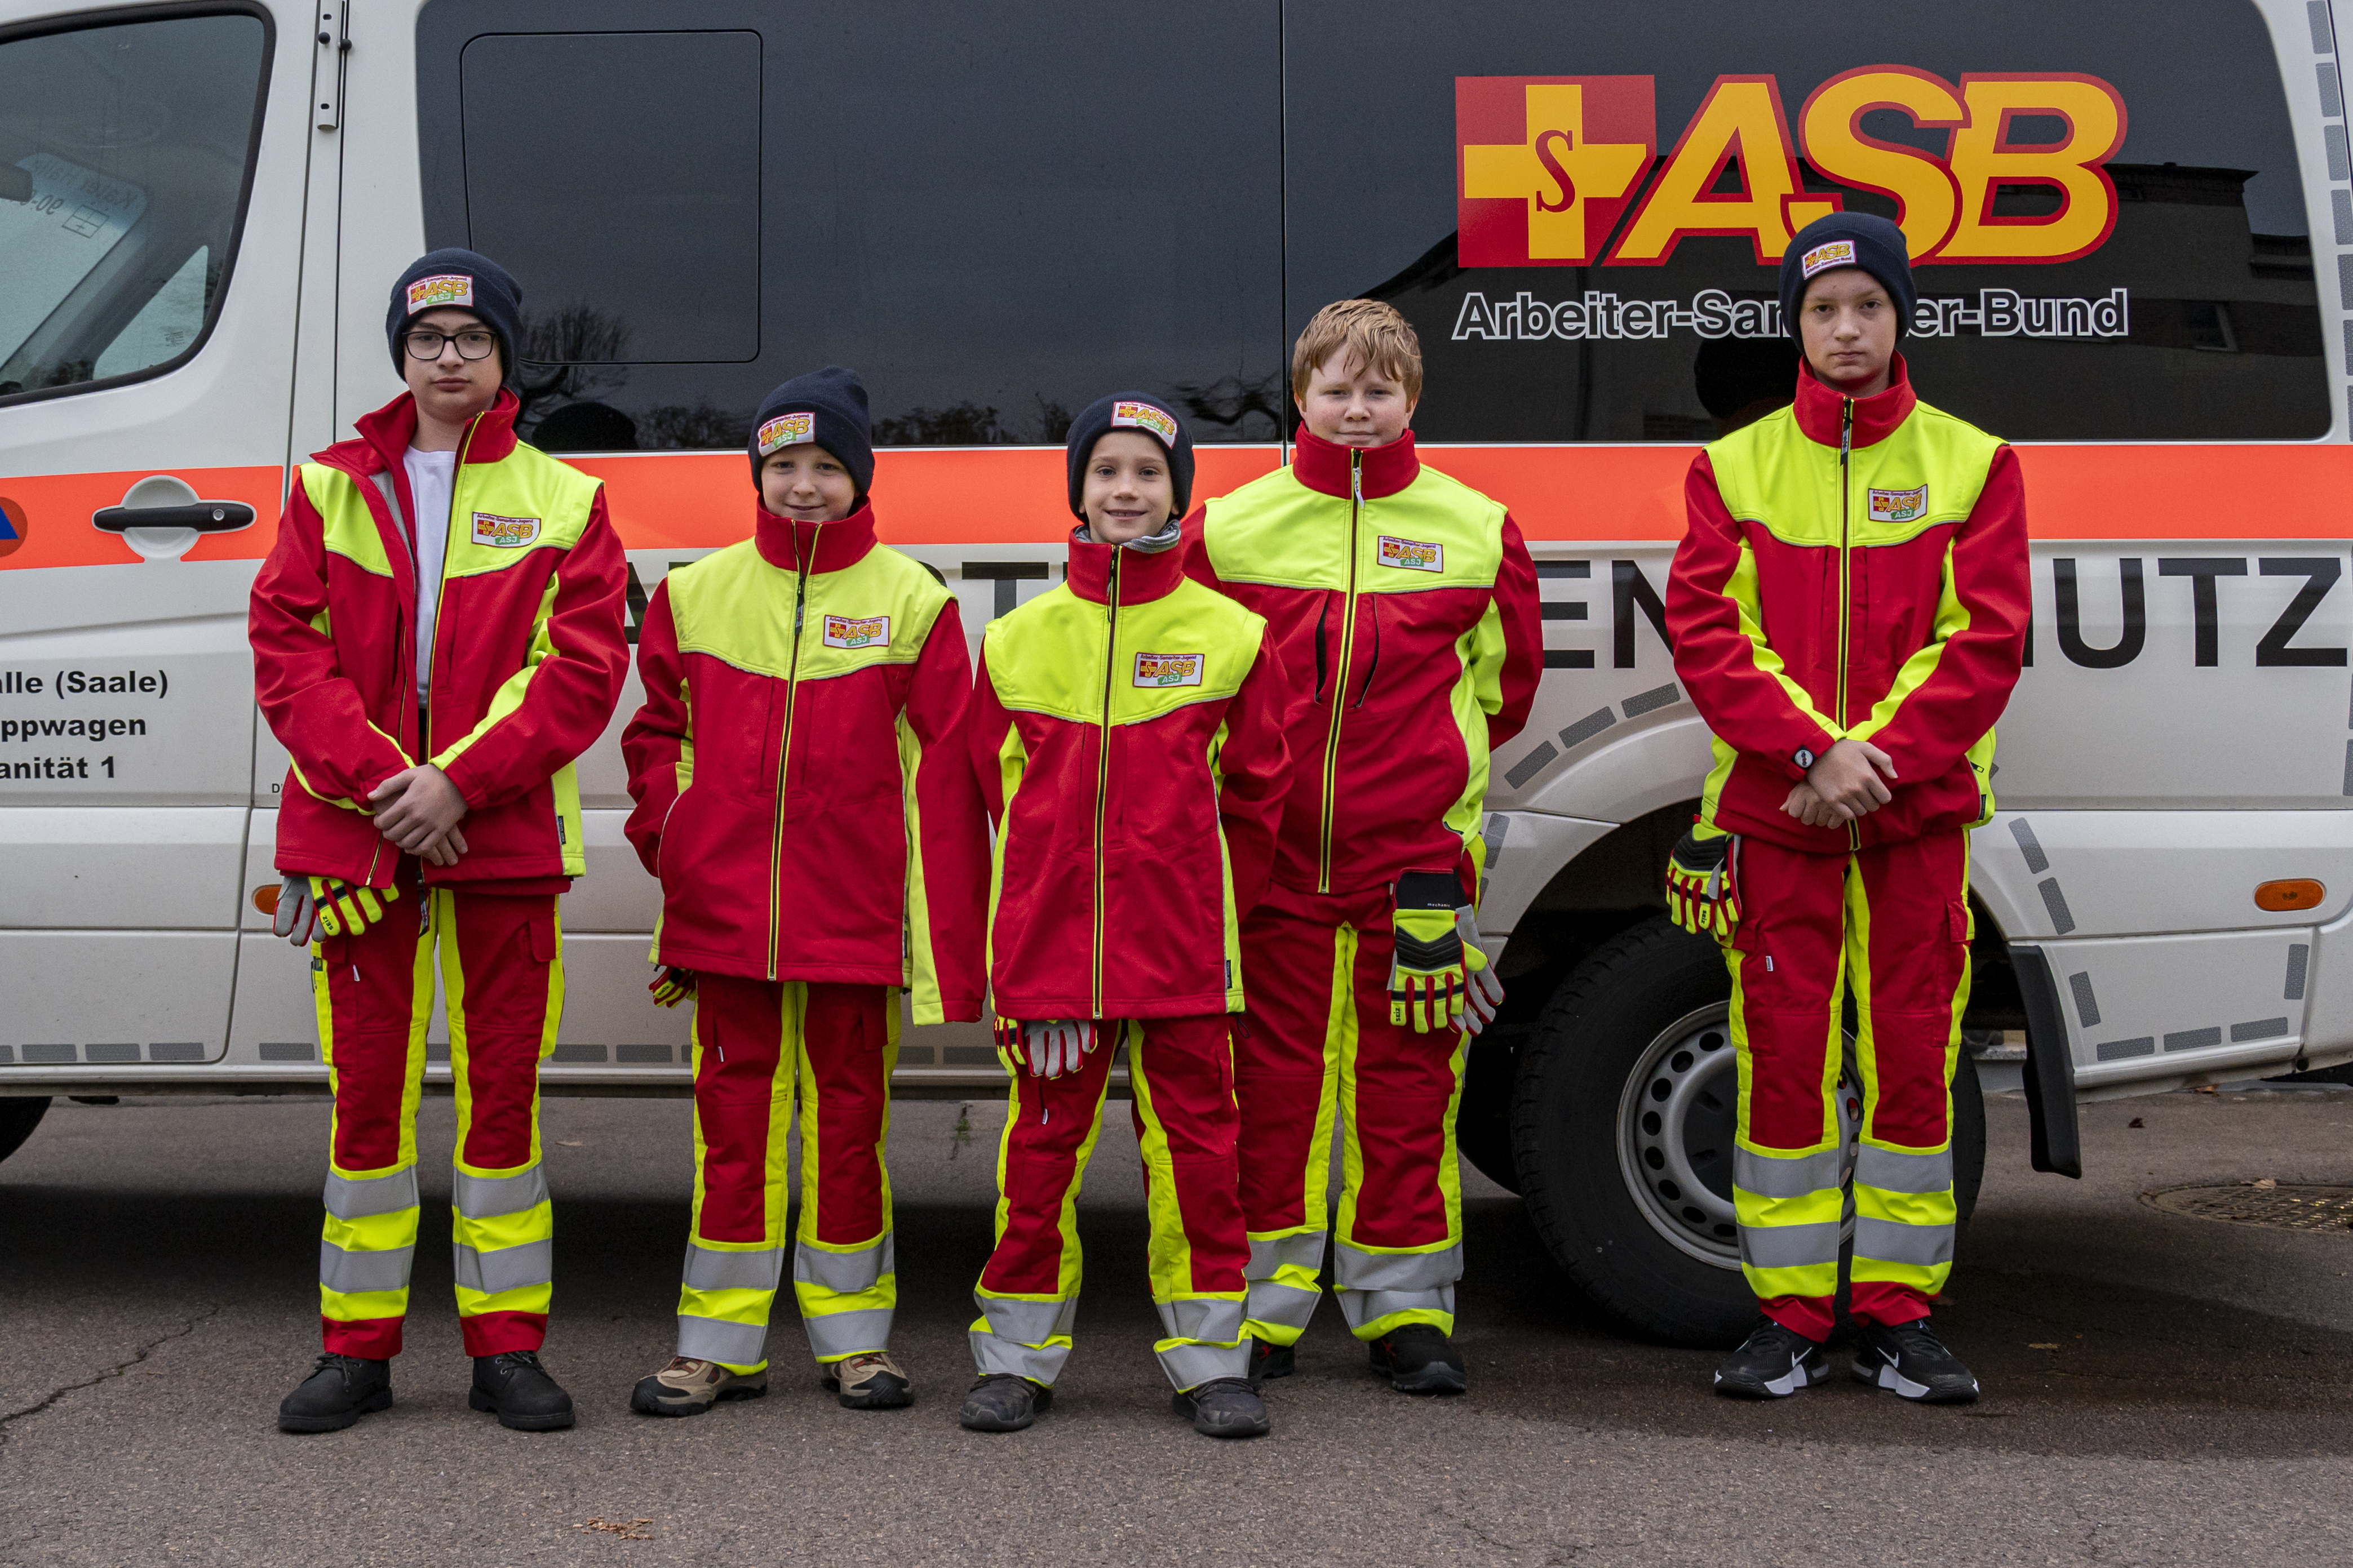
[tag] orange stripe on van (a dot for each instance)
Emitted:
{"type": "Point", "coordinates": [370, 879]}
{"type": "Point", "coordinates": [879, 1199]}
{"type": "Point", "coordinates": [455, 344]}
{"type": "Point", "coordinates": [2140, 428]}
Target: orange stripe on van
{"type": "Point", "coordinates": [1014, 495]}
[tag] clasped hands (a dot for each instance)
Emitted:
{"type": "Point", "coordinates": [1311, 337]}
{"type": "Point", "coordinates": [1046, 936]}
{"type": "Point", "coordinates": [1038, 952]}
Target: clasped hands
{"type": "Point", "coordinates": [1844, 785]}
{"type": "Point", "coordinates": [419, 809]}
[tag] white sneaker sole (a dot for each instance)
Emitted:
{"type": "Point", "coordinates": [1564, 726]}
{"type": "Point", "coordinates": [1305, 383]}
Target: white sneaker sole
{"type": "Point", "coordinates": [1799, 1376]}
{"type": "Point", "coordinates": [1903, 1387]}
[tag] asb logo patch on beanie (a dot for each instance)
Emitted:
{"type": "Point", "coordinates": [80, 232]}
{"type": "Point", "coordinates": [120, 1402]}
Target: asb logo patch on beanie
{"type": "Point", "coordinates": [787, 430]}
{"type": "Point", "coordinates": [1143, 416]}
{"type": "Point", "coordinates": [1834, 253]}
{"type": "Point", "coordinates": [443, 289]}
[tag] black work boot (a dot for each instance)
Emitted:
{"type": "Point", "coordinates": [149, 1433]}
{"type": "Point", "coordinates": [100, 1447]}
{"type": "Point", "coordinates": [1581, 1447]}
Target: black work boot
{"type": "Point", "coordinates": [339, 1391]}
{"type": "Point", "coordinates": [1418, 1358]}
{"type": "Point", "coordinates": [1912, 1362]}
{"type": "Point", "coordinates": [1773, 1362]}
{"type": "Point", "coordinates": [518, 1388]}
{"type": "Point", "coordinates": [1004, 1402]}
{"type": "Point", "coordinates": [1223, 1407]}
{"type": "Point", "coordinates": [1269, 1360]}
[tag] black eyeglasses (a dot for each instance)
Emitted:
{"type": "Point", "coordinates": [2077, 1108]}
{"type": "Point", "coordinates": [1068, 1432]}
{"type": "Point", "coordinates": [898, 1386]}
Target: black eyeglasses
{"type": "Point", "coordinates": [472, 344]}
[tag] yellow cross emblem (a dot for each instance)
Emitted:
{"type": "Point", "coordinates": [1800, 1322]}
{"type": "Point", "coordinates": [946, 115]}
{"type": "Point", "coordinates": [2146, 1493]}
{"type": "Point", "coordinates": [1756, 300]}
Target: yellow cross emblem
{"type": "Point", "coordinates": [1556, 172]}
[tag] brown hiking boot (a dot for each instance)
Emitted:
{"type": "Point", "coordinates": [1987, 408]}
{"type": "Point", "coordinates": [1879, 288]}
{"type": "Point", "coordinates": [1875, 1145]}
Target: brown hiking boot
{"type": "Point", "coordinates": [689, 1387]}
{"type": "Point", "coordinates": [870, 1381]}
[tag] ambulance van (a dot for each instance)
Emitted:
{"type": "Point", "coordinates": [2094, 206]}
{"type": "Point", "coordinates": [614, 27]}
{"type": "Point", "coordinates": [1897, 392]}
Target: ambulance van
{"type": "Point", "coordinates": [2133, 222]}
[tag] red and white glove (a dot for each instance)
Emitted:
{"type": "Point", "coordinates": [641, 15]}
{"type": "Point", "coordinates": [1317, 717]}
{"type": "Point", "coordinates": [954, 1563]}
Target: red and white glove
{"type": "Point", "coordinates": [1045, 1047]}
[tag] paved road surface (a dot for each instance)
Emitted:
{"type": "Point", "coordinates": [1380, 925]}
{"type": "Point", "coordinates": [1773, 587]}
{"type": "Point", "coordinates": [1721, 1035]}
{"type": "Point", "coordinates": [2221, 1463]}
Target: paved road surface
{"type": "Point", "coordinates": [155, 1300]}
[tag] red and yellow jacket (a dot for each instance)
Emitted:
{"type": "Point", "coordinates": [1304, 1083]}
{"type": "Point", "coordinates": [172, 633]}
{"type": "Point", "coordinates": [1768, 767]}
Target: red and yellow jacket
{"type": "Point", "coordinates": [528, 652]}
{"type": "Point", "coordinates": [798, 767]}
{"type": "Point", "coordinates": [1128, 734]}
{"type": "Point", "coordinates": [1854, 567]}
{"type": "Point", "coordinates": [1403, 606]}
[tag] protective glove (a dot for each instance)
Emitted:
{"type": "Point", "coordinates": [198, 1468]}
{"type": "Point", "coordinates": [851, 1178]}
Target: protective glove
{"type": "Point", "coordinates": [309, 907]}
{"type": "Point", "coordinates": [1432, 963]}
{"type": "Point", "coordinates": [1485, 997]}
{"type": "Point", "coordinates": [1048, 1048]}
{"type": "Point", "coordinates": [1703, 883]}
{"type": "Point", "coordinates": [671, 986]}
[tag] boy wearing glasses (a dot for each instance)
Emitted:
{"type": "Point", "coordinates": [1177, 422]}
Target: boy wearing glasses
{"type": "Point", "coordinates": [437, 633]}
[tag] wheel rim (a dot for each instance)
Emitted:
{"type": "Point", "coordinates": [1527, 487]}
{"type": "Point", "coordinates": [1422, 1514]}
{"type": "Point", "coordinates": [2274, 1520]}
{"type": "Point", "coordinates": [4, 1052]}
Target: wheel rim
{"type": "Point", "coordinates": [1676, 1119]}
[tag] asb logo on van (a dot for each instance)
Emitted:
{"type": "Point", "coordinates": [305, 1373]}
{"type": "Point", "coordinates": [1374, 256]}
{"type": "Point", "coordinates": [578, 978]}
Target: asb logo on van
{"type": "Point", "coordinates": [857, 631]}
{"type": "Point", "coordinates": [1546, 165]}
{"type": "Point", "coordinates": [13, 527]}
{"type": "Point", "coordinates": [1157, 669]}
{"type": "Point", "coordinates": [442, 288]}
{"type": "Point", "coordinates": [504, 532]}
{"type": "Point", "coordinates": [1898, 506]}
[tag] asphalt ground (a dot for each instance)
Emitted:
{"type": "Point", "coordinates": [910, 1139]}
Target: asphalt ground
{"type": "Point", "coordinates": [2160, 1389]}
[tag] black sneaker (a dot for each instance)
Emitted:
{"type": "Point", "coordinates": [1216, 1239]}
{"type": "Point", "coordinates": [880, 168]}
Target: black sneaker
{"type": "Point", "coordinates": [339, 1391]}
{"type": "Point", "coordinates": [1004, 1402]}
{"type": "Point", "coordinates": [1418, 1359]}
{"type": "Point", "coordinates": [1223, 1407]}
{"type": "Point", "coordinates": [1772, 1362]}
{"type": "Point", "coordinates": [1269, 1360]}
{"type": "Point", "coordinates": [518, 1388]}
{"type": "Point", "coordinates": [1911, 1360]}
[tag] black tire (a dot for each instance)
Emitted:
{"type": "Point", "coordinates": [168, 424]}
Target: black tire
{"type": "Point", "coordinates": [19, 1114]}
{"type": "Point", "coordinates": [1602, 1023]}
{"type": "Point", "coordinates": [1483, 1130]}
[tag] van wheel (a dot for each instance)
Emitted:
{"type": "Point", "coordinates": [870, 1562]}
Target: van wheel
{"type": "Point", "coordinates": [1622, 1127]}
{"type": "Point", "coordinates": [19, 1114]}
{"type": "Point", "coordinates": [1483, 1128]}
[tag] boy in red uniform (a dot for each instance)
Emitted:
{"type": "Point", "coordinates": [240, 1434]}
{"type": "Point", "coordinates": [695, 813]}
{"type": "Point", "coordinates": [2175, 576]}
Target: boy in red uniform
{"type": "Point", "coordinates": [1127, 731]}
{"type": "Point", "coordinates": [1849, 609]}
{"type": "Point", "coordinates": [803, 793]}
{"type": "Point", "coordinates": [437, 633]}
{"type": "Point", "coordinates": [1404, 607]}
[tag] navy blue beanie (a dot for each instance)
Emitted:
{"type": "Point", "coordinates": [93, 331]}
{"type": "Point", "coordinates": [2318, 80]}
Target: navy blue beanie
{"type": "Point", "coordinates": [457, 279]}
{"type": "Point", "coordinates": [827, 406]}
{"type": "Point", "coordinates": [1848, 239]}
{"type": "Point", "coordinates": [1131, 411]}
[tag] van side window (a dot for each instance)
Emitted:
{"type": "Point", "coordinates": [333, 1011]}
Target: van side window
{"type": "Point", "coordinates": [126, 149]}
{"type": "Point", "coordinates": [1582, 211]}
{"type": "Point", "coordinates": [994, 214]}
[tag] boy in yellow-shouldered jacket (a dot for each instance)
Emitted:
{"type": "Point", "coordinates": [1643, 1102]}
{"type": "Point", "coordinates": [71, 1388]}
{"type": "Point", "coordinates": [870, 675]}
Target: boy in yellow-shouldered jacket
{"type": "Point", "coordinates": [803, 793]}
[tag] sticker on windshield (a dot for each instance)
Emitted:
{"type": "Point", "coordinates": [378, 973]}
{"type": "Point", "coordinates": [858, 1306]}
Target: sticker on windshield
{"type": "Point", "coordinates": [74, 219]}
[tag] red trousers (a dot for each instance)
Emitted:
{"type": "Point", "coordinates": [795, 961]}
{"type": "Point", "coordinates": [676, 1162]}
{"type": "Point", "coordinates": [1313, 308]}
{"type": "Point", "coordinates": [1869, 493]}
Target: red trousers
{"type": "Point", "coordinates": [502, 978]}
{"type": "Point", "coordinates": [1181, 1071]}
{"type": "Point", "coordinates": [757, 1044]}
{"type": "Point", "coordinates": [1890, 925]}
{"type": "Point", "coordinates": [1317, 1050]}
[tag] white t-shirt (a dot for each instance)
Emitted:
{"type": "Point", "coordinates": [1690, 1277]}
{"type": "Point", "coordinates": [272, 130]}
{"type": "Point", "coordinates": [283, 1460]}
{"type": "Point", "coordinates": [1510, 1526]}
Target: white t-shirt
{"type": "Point", "coordinates": [430, 476]}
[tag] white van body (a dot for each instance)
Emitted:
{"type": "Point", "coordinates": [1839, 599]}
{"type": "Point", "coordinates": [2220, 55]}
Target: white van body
{"type": "Point", "coordinates": [2183, 736]}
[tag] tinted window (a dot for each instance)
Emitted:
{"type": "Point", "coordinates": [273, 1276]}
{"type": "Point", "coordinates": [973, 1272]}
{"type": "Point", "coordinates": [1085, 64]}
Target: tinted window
{"type": "Point", "coordinates": [124, 155]}
{"type": "Point", "coordinates": [2104, 193]}
{"type": "Point", "coordinates": [994, 216]}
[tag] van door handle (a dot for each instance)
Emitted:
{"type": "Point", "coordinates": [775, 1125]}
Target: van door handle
{"type": "Point", "coordinates": [203, 517]}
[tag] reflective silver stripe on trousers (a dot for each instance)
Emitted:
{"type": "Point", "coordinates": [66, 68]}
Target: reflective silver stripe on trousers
{"type": "Point", "coordinates": [833, 1335]}
{"type": "Point", "coordinates": [1286, 1304]}
{"type": "Point", "coordinates": [1363, 1307]}
{"type": "Point", "coordinates": [1028, 1322]}
{"type": "Point", "coordinates": [708, 1269]}
{"type": "Point", "coordinates": [845, 1273]}
{"type": "Point", "coordinates": [1355, 1271]}
{"type": "Point", "coordinates": [1216, 1323]}
{"type": "Point", "coordinates": [716, 1339]}
{"type": "Point", "coordinates": [354, 1271]}
{"type": "Point", "coordinates": [1776, 1176]}
{"type": "Point", "coordinates": [1788, 1246]}
{"type": "Point", "coordinates": [1304, 1250]}
{"type": "Point", "coordinates": [993, 1353]}
{"type": "Point", "coordinates": [1893, 1172]}
{"type": "Point", "coordinates": [1888, 1242]}
{"type": "Point", "coordinates": [355, 1197]}
{"type": "Point", "coordinates": [484, 1197]}
{"type": "Point", "coordinates": [1188, 1367]}
{"type": "Point", "coordinates": [504, 1267]}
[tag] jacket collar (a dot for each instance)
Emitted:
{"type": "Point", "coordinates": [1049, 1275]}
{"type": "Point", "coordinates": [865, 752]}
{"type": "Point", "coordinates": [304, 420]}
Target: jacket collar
{"type": "Point", "coordinates": [788, 545]}
{"type": "Point", "coordinates": [387, 433]}
{"type": "Point", "coordinates": [1323, 466]}
{"type": "Point", "coordinates": [1142, 577]}
{"type": "Point", "coordinates": [1819, 407]}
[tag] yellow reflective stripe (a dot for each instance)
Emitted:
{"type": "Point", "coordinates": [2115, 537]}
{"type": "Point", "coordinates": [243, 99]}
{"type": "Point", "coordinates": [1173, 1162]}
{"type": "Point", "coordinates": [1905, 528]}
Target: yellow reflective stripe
{"type": "Point", "coordinates": [1906, 1208]}
{"type": "Point", "coordinates": [522, 1298]}
{"type": "Point", "coordinates": [735, 1305]}
{"type": "Point", "coordinates": [494, 1232]}
{"type": "Point", "coordinates": [923, 967]}
{"type": "Point", "coordinates": [360, 1306]}
{"type": "Point", "coordinates": [1826, 1206]}
{"type": "Point", "coordinates": [375, 1232]}
{"type": "Point", "coordinates": [1808, 1280]}
{"type": "Point", "coordinates": [1952, 619]}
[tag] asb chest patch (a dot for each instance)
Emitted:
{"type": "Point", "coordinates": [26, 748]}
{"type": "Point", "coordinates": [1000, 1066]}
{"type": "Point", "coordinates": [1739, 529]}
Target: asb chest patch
{"type": "Point", "coordinates": [1898, 506]}
{"type": "Point", "coordinates": [1412, 556]}
{"type": "Point", "coordinates": [505, 533]}
{"type": "Point", "coordinates": [1158, 670]}
{"type": "Point", "coordinates": [787, 430]}
{"type": "Point", "coordinates": [857, 631]}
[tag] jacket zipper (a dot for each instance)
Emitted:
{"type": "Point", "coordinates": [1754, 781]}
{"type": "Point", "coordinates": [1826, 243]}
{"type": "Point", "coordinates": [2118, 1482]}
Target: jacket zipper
{"type": "Point", "coordinates": [1340, 682]}
{"type": "Point", "coordinates": [1846, 600]}
{"type": "Point", "coordinates": [784, 752]}
{"type": "Point", "coordinates": [424, 740]}
{"type": "Point", "coordinates": [1102, 776]}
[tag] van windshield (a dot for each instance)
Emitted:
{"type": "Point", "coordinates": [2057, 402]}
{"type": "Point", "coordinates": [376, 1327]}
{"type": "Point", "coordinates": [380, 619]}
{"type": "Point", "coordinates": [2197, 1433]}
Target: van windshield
{"type": "Point", "coordinates": [124, 159]}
